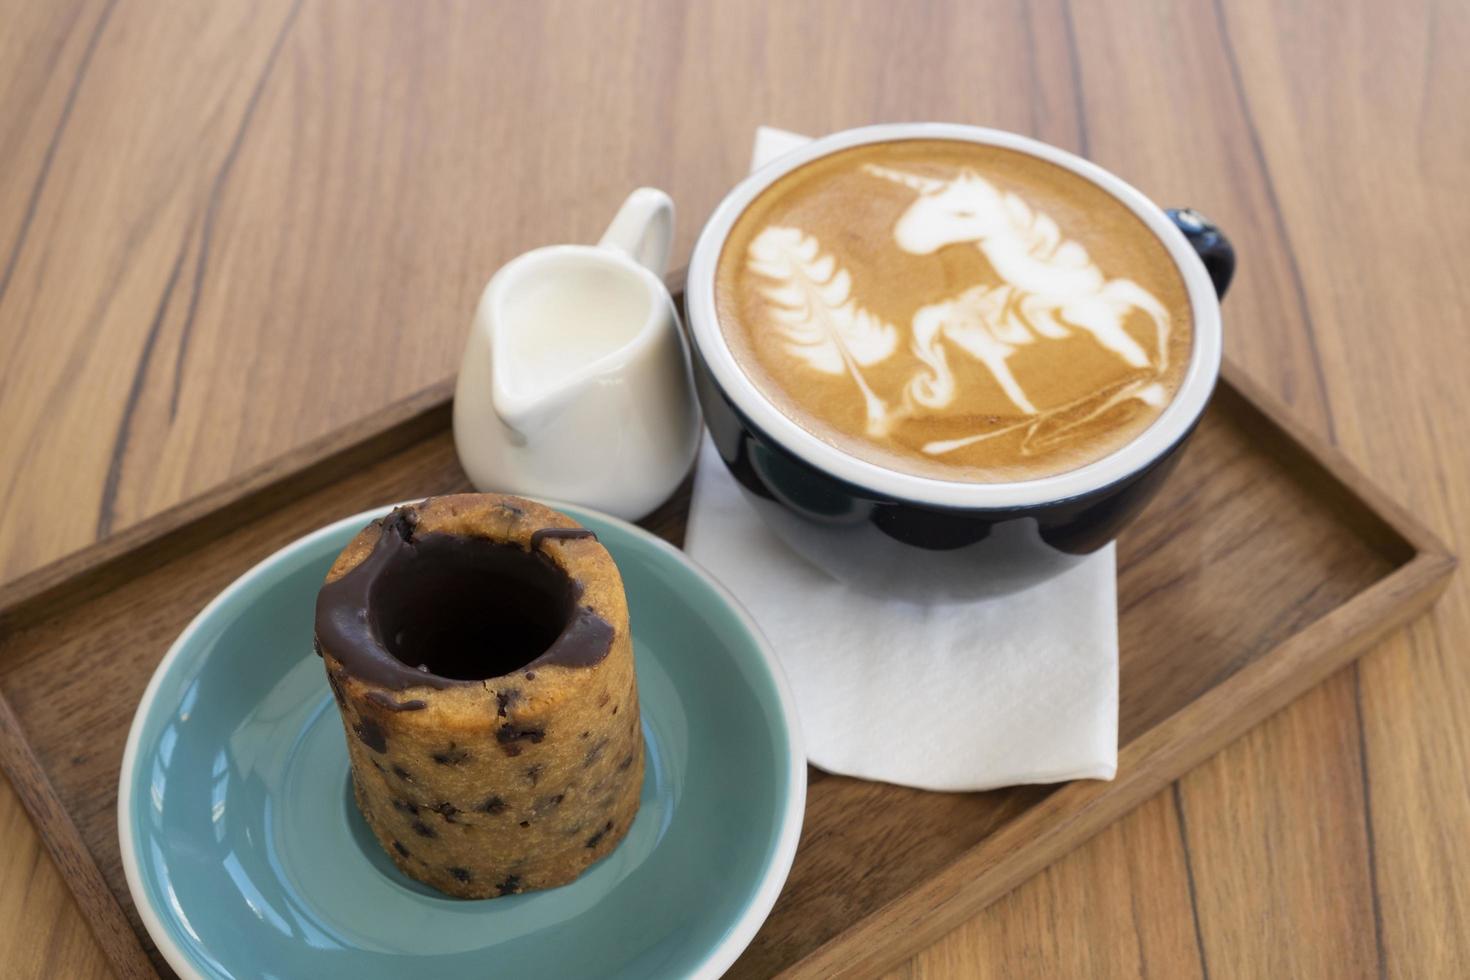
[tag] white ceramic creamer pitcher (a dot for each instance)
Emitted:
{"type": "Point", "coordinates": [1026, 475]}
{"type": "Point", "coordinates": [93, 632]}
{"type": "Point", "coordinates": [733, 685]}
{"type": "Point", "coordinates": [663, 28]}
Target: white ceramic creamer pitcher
{"type": "Point", "coordinates": [576, 382]}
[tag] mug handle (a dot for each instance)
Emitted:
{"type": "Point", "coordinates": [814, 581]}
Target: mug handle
{"type": "Point", "coordinates": [643, 229]}
{"type": "Point", "coordinates": [1210, 242]}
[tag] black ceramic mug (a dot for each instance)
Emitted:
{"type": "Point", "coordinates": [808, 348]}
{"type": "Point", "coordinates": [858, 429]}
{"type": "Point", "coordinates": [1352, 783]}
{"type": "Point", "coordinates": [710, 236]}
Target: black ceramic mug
{"type": "Point", "coordinates": [894, 533]}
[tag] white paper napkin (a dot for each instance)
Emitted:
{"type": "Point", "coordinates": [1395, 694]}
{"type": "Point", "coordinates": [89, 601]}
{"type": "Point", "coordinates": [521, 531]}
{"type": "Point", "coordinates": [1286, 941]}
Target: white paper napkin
{"type": "Point", "coordinates": [1020, 689]}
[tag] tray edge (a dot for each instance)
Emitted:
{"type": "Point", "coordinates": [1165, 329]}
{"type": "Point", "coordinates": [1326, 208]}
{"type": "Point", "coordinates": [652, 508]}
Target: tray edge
{"type": "Point", "coordinates": [104, 913]}
{"type": "Point", "coordinates": [1404, 592]}
{"type": "Point", "coordinates": [395, 425]}
{"type": "Point", "coordinates": [917, 918]}
{"type": "Point", "coordinates": [1076, 812]}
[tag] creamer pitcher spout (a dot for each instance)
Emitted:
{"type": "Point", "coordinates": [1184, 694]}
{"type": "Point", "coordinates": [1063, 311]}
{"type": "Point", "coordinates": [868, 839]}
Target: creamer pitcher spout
{"type": "Point", "coordinates": [522, 418]}
{"type": "Point", "coordinates": [576, 381]}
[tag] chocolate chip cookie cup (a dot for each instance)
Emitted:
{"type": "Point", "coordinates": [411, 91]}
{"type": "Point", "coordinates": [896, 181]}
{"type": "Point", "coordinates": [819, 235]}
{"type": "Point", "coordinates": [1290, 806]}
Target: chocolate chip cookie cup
{"type": "Point", "coordinates": [478, 650]}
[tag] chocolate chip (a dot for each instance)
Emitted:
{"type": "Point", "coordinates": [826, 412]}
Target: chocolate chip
{"type": "Point", "coordinates": [530, 675]}
{"type": "Point", "coordinates": [403, 806]}
{"type": "Point", "coordinates": [626, 763]}
{"type": "Point", "coordinates": [525, 823]}
{"type": "Point", "coordinates": [377, 765]}
{"type": "Point", "coordinates": [423, 829]}
{"type": "Point", "coordinates": [615, 709]}
{"type": "Point", "coordinates": [533, 773]}
{"type": "Point", "coordinates": [402, 774]}
{"type": "Point", "coordinates": [596, 838]}
{"type": "Point", "coordinates": [452, 756]}
{"type": "Point", "coordinates": [510, 885]}
{"type": "Point", "coordinates": [336, 687]}
{"type": "Point", "coordinates": [493, 805]}
{"type": "Point", "coordinates": [445, 810]}
{"type": "Point", "coordinates": [504, 699]}
{"type": "Point", "coordinates": [547, 804]}
{"type": "Point", "coordinates": [460, 874]}
{"type": "Point", "coordinates": [560, 534]}
{"type": "Point", "coordinates": [584, 734]}
{"type": "Point", "coordinates": [403, 521]}
{"type": "Point", "coordinates": [606, 697]}
{"type": "Point", "coordinates": [371, 734]}
{"type": "Point", "coordinates": [595, 753]}
{"type": "Point", "coordinates": [510, 733]}
{"type": "Point", "coordinates": [401, 849]}
{"type": "Point", "coordinates": [385, 701]}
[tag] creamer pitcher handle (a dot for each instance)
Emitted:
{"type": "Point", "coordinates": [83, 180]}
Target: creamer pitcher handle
{"type": "Point", "coordinates": [644, 229]}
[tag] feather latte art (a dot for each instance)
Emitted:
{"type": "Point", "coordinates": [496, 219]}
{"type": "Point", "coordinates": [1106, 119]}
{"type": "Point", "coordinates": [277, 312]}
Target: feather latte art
{"type": "Point", "coordinates": [954, 310]}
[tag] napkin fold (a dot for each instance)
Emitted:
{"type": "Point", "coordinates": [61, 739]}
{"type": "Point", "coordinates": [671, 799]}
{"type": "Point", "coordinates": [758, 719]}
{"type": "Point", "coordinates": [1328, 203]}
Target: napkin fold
{"type": "Point", "coordinates": [969, 696]}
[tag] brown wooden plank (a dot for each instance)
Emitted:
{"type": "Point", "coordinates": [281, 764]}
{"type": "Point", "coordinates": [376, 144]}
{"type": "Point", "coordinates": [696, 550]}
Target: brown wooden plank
{"type": "Point", "coordinates": [1350, 114]}
{"type": "Point", "coordinates": [104, 914]}
{"type": "Point", "coordinates": [100, 317]}
{"type": "Point", "coordinates": [44, 66]}
{"type": "Point", "coordinates": [1172, 122]}
{"type": "Point", "coordinates": [1310, 874]}
{"type": "Point", "coordinates": [1291, 933]}
{"type": "Point", "coordinates": [1131, 883]}
{"type": "Point", "coordinates": [58, 944]}
{"type": "Point", "coordinates": [1385, 283]}
{"type": "Point", "coordinates": [45, 53]}
{"type": "Point", "coordinates": [175, 531]}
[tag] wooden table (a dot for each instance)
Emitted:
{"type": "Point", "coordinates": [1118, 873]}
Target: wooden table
{"type": "Point", "coordinates": [227, 228]}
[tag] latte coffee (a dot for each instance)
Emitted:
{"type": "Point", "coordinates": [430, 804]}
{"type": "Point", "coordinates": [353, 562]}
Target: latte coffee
{"type": "Point", "coordinates": [954, 310]}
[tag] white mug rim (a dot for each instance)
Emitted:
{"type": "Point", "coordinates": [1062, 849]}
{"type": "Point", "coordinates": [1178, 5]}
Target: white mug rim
{"type": "Point", "coordinates": [1172, 425]}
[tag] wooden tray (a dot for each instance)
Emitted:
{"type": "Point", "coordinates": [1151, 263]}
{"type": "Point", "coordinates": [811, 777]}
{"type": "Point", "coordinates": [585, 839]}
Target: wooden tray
{"type": "Point", "coordinates": [1267, 563]}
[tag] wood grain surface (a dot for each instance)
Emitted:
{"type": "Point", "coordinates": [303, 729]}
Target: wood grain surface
{"type": "Point", "coordinates": [227, 229]}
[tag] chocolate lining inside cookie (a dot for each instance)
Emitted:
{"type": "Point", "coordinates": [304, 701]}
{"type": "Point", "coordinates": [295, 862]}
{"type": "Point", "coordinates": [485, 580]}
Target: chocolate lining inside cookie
{"type": "Point", "coordinates": [469, 608]}
{"type": "Point", "coordinates": [435, 609]}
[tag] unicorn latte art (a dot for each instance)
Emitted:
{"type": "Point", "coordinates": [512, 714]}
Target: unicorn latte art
{"type": "Point", "coordinates": [954, 310]}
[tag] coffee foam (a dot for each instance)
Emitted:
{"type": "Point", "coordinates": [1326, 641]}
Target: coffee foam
{"type": "Point", "coordinates": [954, 310]}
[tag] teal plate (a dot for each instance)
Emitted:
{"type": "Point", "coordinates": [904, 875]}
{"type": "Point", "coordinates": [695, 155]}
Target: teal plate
{"type": "Point", "coordinates": [247, 858]}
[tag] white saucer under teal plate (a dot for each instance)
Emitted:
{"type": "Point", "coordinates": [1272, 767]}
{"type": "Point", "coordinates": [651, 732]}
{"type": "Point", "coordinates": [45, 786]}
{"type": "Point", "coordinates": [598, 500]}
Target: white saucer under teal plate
{"type": "Point", "coordinates": [247, 858]}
